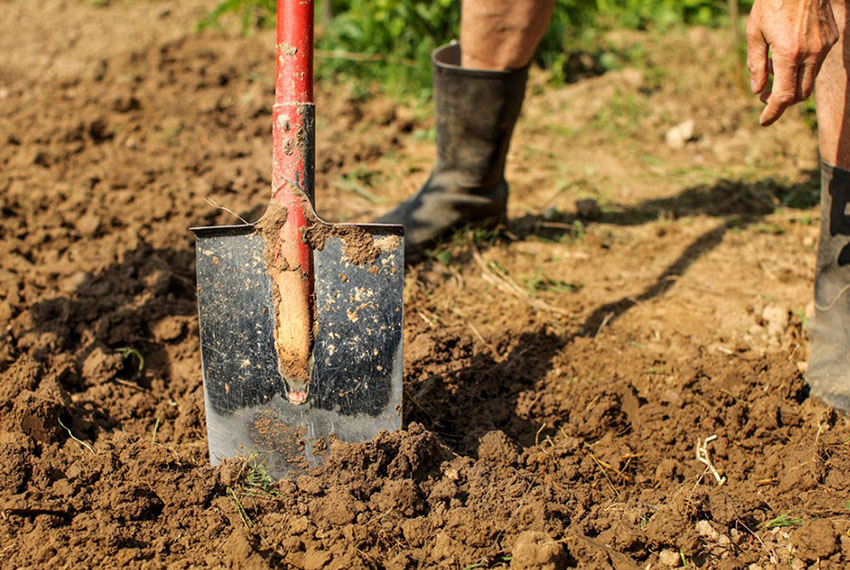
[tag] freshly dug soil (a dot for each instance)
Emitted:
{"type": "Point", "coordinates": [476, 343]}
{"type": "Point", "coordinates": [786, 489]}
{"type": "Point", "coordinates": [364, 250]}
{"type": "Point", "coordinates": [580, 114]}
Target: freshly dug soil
{"type": "Point", "coordinates": [561, 374]}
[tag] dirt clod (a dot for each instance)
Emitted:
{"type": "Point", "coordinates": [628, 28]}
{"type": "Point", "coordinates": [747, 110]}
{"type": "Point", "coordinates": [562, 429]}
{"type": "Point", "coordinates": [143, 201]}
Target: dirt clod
{"type": "Point", "coordinates": [537, 550]}
{"type": "Point", "coordinates": [815, 540]}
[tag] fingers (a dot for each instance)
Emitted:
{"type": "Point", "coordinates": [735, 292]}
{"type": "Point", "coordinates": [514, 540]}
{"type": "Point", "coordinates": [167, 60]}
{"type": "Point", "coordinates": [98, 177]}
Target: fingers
{"type": "Point", "coordinates": [784, 92]}
{"type": "Point", "coordinates": [757, 60]}
{"type": "Point", "coordinates": [806, 80]}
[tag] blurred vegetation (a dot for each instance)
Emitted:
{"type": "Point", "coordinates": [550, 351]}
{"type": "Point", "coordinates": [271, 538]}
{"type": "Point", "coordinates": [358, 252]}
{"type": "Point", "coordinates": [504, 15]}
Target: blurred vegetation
{"type": "Point", "coordinates": [390, 40]}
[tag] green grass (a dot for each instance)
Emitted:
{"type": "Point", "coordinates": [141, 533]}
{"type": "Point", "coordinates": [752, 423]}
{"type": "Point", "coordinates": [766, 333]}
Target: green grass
{"type": "Point", "coordinates": [155, 429]}
{"type": "Point", "coordinates": [252, 483]}
{"type": "Point", "coordinates": [783, 520]}
{"type": "Point", "coordinates": [542, 282]}
{"type": "Point", "coordinates": [390, 41]}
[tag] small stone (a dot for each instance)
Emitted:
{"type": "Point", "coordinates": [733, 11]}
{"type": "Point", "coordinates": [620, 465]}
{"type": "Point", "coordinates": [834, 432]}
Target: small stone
{"type": "Point", "coordinates": [670, 558]}
{"type": "Point", "coordinates": [73, 283]}
{"type": "Point", "coordinates": [588, 209]}
{"type": "Point", "coordinates": [680, 134]}
{"type": "Point", "coordinates": [705, 530]}
{"type": "Point", "coordinates": [672, 397]}
{"type": "Point", "coordinates": [775, 319]}
{"type": "Point", "coordinates": [88, 224]}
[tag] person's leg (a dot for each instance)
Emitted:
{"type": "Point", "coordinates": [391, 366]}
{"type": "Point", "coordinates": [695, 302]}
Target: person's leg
{"type": "Point", "coordinates": [502, 34]}
{"type": "Point", "coordinates": [831, 95]}
{"type": "Point", "coordinates": [828, 372]}
{"type": "Point", "coordinates": [479, 86]}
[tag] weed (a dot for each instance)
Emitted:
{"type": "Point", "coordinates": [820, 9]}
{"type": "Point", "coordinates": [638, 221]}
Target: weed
{"type": "Point", "coordinates": [127, 352]}
{"type": "Point", "coordinates": [356, 184]}
{"type": "Point", "coordinates": [575, 233]}
{"type": "Point", "coordinates": [257, 479]}
{"type": "Point", "coordinates": [464, 238]}
{"type": "Point", "coordinates": [80, 442]}
{"type": "Point", "coordinates": [155, 429]}
{"type": "Point", "coordinates": [770, 228]}
{"type": "Point", "coordinates": [243, 514]}
{"type": "Point", "coordinates": [253, 482]}
{"type": "Point", "coordinates": [622, 114]}
{"type": "Point", "coordinates": [542, 282]}
{"type": "Point", "coordinates": [444, 256]}
{"type": "Point", "coordinates": [783, 520]}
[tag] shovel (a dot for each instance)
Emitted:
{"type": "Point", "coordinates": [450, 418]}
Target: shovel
{"type": "Point", "coordinates": [300, 320]}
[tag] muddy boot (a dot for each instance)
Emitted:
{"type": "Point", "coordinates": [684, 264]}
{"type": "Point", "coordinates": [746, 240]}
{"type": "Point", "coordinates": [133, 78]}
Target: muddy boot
{"type": "Point", "coordinates": [828, 373]}
{"type": "Point", "coordinates": [475, 115]}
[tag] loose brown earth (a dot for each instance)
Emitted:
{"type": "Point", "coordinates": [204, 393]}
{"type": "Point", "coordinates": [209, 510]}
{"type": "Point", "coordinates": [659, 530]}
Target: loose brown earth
{"type": "Point", "coordinates": [559, 375]}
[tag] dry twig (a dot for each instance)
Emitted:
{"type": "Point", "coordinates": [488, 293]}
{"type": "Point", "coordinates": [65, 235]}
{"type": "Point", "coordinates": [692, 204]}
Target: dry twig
{"type": "Point", "coordinates": [704, 458]}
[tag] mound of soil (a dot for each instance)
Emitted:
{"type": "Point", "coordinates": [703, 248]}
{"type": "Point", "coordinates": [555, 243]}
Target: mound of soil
{"type": "Point", "coordinates": [563, 377]}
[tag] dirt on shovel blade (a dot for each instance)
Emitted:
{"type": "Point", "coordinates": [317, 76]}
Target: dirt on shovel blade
{"type": "Point", "coordinates": [355, 386]}
{"type": "Point", "coordinates": [559, 375]}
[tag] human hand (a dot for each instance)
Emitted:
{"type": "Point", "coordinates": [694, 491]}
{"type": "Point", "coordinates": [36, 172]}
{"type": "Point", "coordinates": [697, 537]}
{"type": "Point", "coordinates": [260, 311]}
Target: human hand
{"type": "Point", "coordinates": [799, 34]}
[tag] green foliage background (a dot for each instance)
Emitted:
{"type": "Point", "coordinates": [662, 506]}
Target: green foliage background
{"type": "Point", "coordinates": [390, 40]}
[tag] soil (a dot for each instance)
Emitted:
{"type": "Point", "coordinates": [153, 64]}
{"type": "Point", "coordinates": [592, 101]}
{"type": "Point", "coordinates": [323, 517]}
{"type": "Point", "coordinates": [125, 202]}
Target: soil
{"type": "Point", "coordinates": [560, 373]}
{"type": "Point", "coordinates": [360, 247]}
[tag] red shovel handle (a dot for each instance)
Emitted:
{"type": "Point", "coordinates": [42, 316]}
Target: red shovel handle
{"type": "Point", "coordinates": [293, 166]}
{"type": "Point", "coordinates": [294, 51]}
{"type": "Point", "coordinates": [292, 188]}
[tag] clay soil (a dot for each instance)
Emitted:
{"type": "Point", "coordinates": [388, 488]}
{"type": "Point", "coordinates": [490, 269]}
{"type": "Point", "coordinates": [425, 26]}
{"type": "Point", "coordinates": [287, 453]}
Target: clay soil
{"type": "Point", "coordinates": [560, 373]}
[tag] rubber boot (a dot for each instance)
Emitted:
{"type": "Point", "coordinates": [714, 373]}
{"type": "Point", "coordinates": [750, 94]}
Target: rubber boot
{"type": "Point", "coordinates": [828, 372]}
{"type": "Point", "coordinates": [475, 115]}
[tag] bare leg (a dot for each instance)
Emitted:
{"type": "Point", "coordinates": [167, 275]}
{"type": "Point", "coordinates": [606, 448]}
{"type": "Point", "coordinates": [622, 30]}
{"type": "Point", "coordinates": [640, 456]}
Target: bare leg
{"type": "Point", "coordinates": [502, 34]}
{"type": "Point", "coordinates": [832, 96]}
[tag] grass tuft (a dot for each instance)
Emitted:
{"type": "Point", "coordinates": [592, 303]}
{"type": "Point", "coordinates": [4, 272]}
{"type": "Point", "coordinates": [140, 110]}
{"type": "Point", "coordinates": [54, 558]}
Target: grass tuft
{"type": "Point", "coordinates": [783, 520]}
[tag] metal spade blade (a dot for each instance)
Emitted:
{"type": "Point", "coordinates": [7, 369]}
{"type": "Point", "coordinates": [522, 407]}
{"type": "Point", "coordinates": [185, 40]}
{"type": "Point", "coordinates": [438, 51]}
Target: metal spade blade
{"type": "Point", "coordinates": [355, 390]}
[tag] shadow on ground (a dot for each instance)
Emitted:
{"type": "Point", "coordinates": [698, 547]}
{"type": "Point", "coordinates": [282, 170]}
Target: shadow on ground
{"type": "Point", "coordinates": [121, 305]}
{"type": "Point", "coordinates": [490, 389]}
